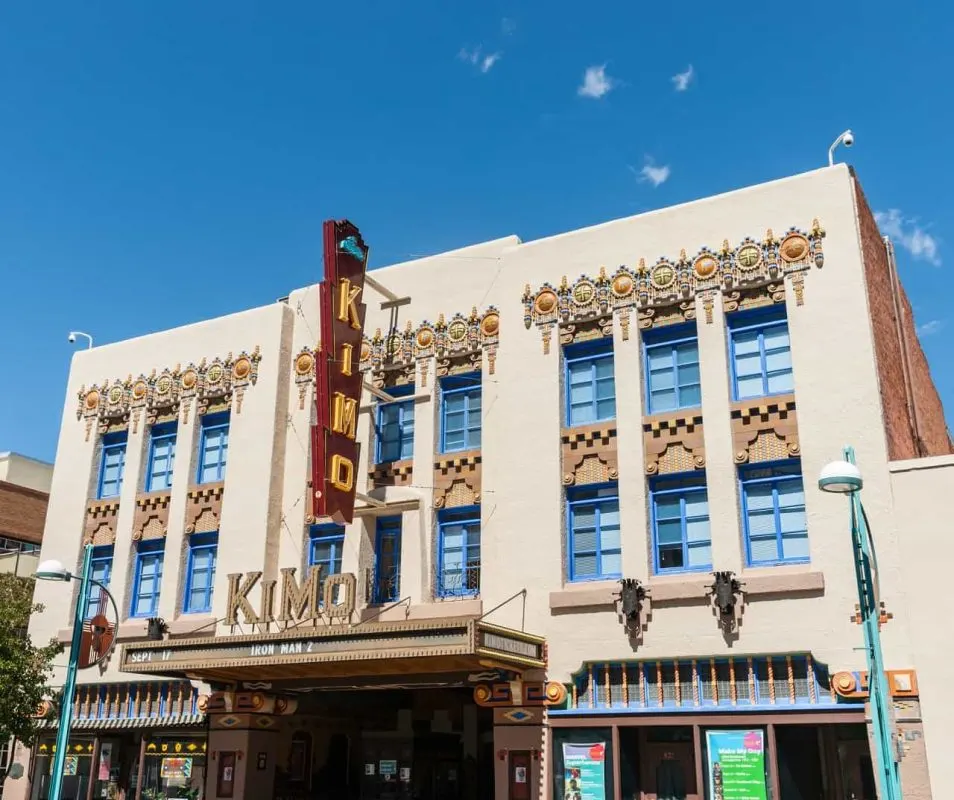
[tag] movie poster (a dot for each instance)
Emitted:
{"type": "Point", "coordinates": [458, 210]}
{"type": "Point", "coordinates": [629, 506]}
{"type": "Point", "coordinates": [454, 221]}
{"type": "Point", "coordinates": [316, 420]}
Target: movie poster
{"type": "Point", "coordinates": [584, 773]}
{"type": "Point", "coordinates": [736, 765]}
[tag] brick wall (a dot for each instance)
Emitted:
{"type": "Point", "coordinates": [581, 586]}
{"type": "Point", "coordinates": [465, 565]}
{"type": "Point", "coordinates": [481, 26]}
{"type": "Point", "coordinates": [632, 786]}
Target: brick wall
{"type": "Point", "coordinates": [911, 433]}
{"type": "Point", "coordinates": [22, 512]}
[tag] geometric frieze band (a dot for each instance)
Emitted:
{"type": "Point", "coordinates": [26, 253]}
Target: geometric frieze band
{"type": "Point", "coordinates": [665, 292]}
{"type": "Point", "coordinates": [167, 393]}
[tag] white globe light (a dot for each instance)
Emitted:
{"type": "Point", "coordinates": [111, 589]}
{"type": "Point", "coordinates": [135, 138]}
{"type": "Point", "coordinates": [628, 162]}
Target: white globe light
{"type": "Point", "coordinates": [841, 477]}
{"type": "Point", "coordinates": [52, 570]}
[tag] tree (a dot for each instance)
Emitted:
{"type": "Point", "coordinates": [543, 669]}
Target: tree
{"type": "Point", "coordinates": [24, 669]}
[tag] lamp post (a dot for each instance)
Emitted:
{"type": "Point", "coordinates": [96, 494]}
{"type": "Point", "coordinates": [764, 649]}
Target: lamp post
{"type": "Point", "coordinates": [55, 571]}
{"type": "Point", "coordinates": [844, 477]}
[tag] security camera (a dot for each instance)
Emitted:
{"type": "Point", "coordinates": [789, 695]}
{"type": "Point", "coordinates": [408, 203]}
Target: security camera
{"type": "Point", "coordinates": [71, 338]}
{"type": "Point", "coordinates": [849, 139]}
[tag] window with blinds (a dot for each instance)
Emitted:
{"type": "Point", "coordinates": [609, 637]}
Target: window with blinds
{"type": "Point", "coordinates": [700, 684]}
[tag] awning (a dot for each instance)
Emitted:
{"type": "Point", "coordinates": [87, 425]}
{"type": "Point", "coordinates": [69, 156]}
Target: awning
{"type": "Point", "coordinates": [373, 648]}
{"type": "Point", "coordinates": [128, 723]}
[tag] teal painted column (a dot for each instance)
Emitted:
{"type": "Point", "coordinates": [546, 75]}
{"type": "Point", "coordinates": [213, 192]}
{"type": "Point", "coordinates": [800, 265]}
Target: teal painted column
{"type": "Point", "coordinates": [879, 696]}
{"type": "Point", "coordinates": [69, 685]}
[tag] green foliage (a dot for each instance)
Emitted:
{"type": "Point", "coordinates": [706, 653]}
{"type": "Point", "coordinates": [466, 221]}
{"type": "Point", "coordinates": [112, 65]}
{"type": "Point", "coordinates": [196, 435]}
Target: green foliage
{"type": "Point", "coordinates": [24, 669]}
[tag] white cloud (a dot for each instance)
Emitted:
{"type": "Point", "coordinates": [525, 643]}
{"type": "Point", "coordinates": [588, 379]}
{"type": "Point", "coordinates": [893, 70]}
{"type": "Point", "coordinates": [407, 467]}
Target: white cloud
{"type": "Point", "coordinates": [596, 82]}
{"type": "Point", "coordinates": [681, 80]}
{"type": "Point", "coordinates": [483, 61]}
{"type": "Point", "coordinates": [508, 26]}
{"type": "Point", "coordinates": [487, 62]}
{"type": "Point", "coordinates": [932, 326]}
{"type": "Point", "coordinates": [910, 235]}
{"type": "Point", "coordinates": [650, 173]}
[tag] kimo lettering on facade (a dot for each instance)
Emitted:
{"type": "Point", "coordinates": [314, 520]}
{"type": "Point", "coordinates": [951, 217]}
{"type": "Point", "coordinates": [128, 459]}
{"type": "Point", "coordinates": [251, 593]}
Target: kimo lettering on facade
{"type": "Point", "coordinates": [338, 380]}
{"type": "Point", "coordinates": [330, 599]}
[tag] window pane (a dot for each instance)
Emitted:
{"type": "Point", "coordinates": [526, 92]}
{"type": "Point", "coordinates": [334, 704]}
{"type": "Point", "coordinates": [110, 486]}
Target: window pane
{"type": "Point", "coordinates": [669, 532]}
{"type": "Point", "coordinates": [793, 520]}
{"type": "Point", "coordinates": [689, 375]}
{"type": "Point", "coordinates": [746, 366]}
{"type": "Point", "coordinates": [660, 358]}
{"type": "Point", "coordinates": [670, 557]}
{"type": "Point", "coordinates": [776, 337]}
{"type": "Point", "coordinates": [584, 541]}
{"type": "Point", "coordinates": [761, 522]}
{"type": "Point", "coordinates": [750, 387]}
{"type": "Point", "coordinates": [795, 546]}
{"type": "Point", "coordinates": [584, 565]}
{"type": "Point", "coordinates": [662, 379]}
{"type": "Point", "coordinates": [765, 549]}
{"type": "Point", "coordinates": [700, 555]}
{"type": "Point", "coordinates": [663, 400]}
{"type": "Point", "coordinates": [606, 409]}
{"type": "Point", "coordinates": [791, 493]}
{"type": "Point", "coordinates": [746, 342]}
{"type": "Point", "coordinates": [697, 530]}
{"type": "Point", "coordinates": [582, 394]}
{"type": "Point", "coordinates": [687, 353]}
{"type": "Point", "coordinates": [778, 360]}
{"type": "Point", "coordinates": [581, 372]}
{"type": "Point", "coordinates": [604, 367]}
{"type": "Point", "coordinates": [453, 537]}
{"type": "Point", "coordinates": [690, 396]}
{"type": "Point", "coordinates": [668, 507]}
{"type": "Point", "coordinates": [759, 497]}
{"type": "Point", "coordinates": [612, 564]}
{"type": "Point", "coordinates": [780, 382]}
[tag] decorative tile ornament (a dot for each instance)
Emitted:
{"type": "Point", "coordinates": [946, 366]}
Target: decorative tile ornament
{"type": "Point", "coordinates": [665, 292]}
{"type": "Point", "coordinates": [457, 344]}
{"type": "Point", "coordinates": [165, 394]}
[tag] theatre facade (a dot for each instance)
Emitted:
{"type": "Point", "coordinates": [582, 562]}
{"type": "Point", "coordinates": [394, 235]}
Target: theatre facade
{"type": "Point", "coordinates": [586, 558]}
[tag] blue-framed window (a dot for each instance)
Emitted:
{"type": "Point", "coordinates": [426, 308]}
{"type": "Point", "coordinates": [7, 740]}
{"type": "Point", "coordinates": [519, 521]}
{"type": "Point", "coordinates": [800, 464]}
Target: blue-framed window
{"type": "Point", "coordinates": [213, 448]}
{"type": "Point", "coordinates": [682, 540]}
{"type": "Point", "coordinates": [460, 413]}
{"type": "Point", "coordinates": [162, 456]}
{"type": "Point", "coordinates": [200, 572]}
{"type": "Point", "coordinates": [590, 382]}
{"type": "Point", "coordinates": [387, 560]}
{"type": "Point", "coordinates": [326, 548]}
{"type": "Point", "coordinates": [671, 364]}
{"type": "Point", "coordinates": [760, 353]}
{"type": "Point", "coordinates": [394, 427]}
{"type": "Point", "coordinates": [594, 546]}
{"type": "Point", "coordinates": [112, 465]}
{"type": "Point", "coordinates": [101, 566]}
{"type": "Point", "coordinates": [773, 514]}
{"type": "Point", "coordinates": [458, 556]}
{"type": "Point", "coordinates": [147, 578]}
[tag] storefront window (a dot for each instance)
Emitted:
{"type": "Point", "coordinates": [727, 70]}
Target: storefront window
{"type": "Point", "coordinates": [582, 763]}
{"type": "Point", "coordinates": [174, 770]}
{"type": "Point", "coordinates": [76, 769]}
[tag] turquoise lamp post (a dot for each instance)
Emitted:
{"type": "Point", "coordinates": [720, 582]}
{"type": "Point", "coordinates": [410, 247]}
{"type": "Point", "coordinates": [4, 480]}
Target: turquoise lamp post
{"type": "Point", "coordinates": [844, 477]}
{"type": "Point", "coordinates": [55, 571]}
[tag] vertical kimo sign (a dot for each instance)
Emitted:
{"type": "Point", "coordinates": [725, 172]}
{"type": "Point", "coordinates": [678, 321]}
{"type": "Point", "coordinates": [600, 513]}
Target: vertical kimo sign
{"type": "Point", "coordinates": [338, 379]}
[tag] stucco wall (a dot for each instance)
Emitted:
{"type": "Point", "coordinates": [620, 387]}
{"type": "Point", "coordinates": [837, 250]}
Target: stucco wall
{"type": "Point", "coordinates": [923, 492]}
{"type": "Point", "coordinates": [25, 471]}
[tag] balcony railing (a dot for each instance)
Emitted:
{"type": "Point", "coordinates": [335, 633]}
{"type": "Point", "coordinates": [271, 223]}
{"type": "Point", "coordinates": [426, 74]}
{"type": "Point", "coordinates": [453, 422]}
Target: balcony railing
{"type": "Point", "coordinates": [21, 562]}
{"type": "Point", "coordinates": [463, 582]}
{"type": "Point", "coordinates": [382, 586]}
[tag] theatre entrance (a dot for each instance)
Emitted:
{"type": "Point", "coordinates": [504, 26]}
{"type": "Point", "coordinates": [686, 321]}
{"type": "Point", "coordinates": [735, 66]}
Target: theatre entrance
{"type": "Point", "coordinates": [426, 744]}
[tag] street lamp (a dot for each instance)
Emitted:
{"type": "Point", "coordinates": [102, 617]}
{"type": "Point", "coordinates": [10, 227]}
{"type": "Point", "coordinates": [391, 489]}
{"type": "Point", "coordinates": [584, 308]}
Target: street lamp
{"type": "Point", "coordinates": [844, 477]}
{"type": "Point", "coordinates": [53, 570]}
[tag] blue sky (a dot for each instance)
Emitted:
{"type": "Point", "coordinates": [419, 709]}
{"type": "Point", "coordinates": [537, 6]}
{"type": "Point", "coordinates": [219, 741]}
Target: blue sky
{"type": "Point", "coordinates": [162, 163]}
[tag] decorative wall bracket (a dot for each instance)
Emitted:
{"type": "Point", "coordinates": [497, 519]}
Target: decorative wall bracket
{"type": "Point", "coordinates": [726, 592]}
{"type": "Point", "coordinates": [633, 607]}
{"type": "Point", "coordinates": [665, 292]}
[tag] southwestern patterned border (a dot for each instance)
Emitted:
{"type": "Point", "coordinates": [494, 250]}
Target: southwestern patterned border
{"type": "Point", "coordinates": [664, 293]}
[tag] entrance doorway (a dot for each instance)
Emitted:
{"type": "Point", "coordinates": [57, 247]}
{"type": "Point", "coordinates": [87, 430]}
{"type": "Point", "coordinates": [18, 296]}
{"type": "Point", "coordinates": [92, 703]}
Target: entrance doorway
{"type": "Point", "coordinates": [668, 764]}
